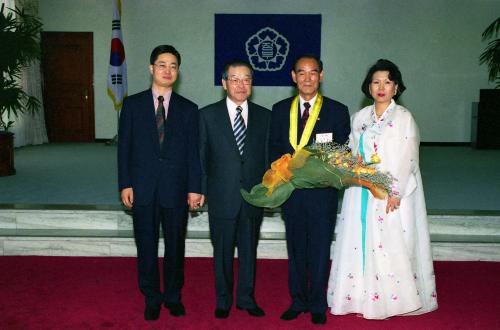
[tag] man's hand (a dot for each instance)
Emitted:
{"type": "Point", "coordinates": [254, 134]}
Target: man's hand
{"type": "Point", "coordinates": [392, 204]}
{"type": "Point", "coordinates": [127, 196]}
{"type": "Point", "coordinates": [195, 201]}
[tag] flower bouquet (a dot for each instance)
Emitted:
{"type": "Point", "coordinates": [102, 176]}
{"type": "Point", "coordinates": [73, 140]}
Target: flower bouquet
{"type": "Point", "coordinates": [319, 165]}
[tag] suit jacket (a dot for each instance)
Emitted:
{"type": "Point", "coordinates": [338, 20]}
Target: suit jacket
{"type": "Point", "coordinates": [225, 171]}
{"type": "Point", "coordinates": [333, 118]}
{"type": "Point", "coordinates": [172, 171]}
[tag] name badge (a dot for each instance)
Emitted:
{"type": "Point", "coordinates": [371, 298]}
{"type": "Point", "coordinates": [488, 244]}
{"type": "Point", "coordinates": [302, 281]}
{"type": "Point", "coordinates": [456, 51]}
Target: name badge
{"type": "Point", "coordinates": [324, 137]}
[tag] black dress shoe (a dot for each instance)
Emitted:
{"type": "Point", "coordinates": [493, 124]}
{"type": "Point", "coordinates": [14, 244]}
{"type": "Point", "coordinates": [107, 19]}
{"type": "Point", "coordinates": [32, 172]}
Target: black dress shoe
{"type": "Point", "coordinates": [152, 313]}
{"type": "Point", "coordinates": [318, 318]}
{"type": "Point", "coordinates": [176, 309]}
{"type": "Point", "coordinates": [254, 311]}
{"type": "Point", "coordinates": [290, 314]}
{"type": "Point", "coordinates": [221, 313]}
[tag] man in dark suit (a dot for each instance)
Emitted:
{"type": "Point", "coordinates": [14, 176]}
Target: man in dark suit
{"type": "Point", "coordinates": [233, 150]}
{"type": "Point", "coordinates": [309, 214]}
{"type": "Point", "coordinates": [158, 171]}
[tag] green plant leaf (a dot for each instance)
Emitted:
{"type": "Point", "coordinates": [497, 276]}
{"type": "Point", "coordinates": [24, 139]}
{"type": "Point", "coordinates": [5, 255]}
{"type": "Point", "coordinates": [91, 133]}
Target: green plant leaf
{"type": "Point", "coordinates": [258, 197]}
{"type": "Point", "coordinates": [21, 32]}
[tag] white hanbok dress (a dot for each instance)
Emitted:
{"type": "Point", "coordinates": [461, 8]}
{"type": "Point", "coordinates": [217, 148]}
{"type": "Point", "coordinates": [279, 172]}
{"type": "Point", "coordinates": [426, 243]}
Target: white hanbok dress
{"type": "Point", "coordinates": [382, 263]}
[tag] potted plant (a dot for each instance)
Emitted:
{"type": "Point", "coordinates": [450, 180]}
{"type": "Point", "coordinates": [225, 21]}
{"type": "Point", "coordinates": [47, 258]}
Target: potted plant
{"type": "Point", "coordinates": [491, 55]}
{"type": "Point", "coordinates": [20, 36]}
{"type": "Point", "coordinates": [486, 117]}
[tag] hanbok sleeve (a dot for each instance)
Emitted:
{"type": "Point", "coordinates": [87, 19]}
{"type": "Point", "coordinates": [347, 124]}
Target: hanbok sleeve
{"type": "Point", "coordinates": [405, 166]}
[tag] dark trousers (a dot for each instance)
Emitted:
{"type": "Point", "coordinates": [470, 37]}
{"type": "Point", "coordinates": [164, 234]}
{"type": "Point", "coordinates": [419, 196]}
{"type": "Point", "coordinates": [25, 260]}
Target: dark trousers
{"type": "Point", "coordinates": [308, 237]}
{"type": "Point", "coordinates": [147, 220]}
{"type": "Point", "coordinates": [226, 234]}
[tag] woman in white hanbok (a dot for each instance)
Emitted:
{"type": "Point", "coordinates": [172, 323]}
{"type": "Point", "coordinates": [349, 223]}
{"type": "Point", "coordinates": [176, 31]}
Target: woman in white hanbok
{"type": "Point", "coordinates": [382, 261]}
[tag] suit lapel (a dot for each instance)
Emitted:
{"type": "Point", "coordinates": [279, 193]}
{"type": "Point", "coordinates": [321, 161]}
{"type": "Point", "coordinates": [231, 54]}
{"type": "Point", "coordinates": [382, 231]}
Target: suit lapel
{"type": "Point", "coordinates": [226, 126]}
{"type": "Point", "coordinates": [171, 121]}
{"type": "Point", "coordinates": [150, 119]}
{"type": "Point", "coordinates": [321, 121]}
{"type": "Point", "coordinates": [252, 129]}
{"type": "Point", "coordinates": [171, 115]}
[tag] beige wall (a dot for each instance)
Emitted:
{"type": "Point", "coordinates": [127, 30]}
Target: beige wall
{"type": "Point", "coordinates": [436, 43]}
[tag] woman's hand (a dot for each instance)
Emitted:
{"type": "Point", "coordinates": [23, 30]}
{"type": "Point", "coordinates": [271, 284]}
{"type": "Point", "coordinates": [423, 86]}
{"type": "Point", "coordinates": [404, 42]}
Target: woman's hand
{"type": "Point", "coordinates": [392, 204]}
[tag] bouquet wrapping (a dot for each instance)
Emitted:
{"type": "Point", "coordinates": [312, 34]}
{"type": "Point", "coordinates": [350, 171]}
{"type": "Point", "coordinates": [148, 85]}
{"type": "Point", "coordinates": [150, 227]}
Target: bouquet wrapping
{"type": "Point", "coordinates": [319, 165]}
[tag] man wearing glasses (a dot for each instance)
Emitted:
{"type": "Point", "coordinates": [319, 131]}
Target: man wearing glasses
{"type": "Point", "coordinates": [233, 151]}
{"type": "Point", "coordinates": [158, 171]}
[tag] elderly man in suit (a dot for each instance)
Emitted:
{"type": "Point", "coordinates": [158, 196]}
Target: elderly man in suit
{"type": "Point", "coordinates": [233, 151]}
{"type": "Point", "coordinates": [158, 171]}
{"type": "Point", "coordinates": [309, 214]}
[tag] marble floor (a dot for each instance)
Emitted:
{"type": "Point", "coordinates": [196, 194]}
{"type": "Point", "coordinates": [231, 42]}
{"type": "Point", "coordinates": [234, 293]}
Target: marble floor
{"type": "Point", "coordinates": [109, 233]}
{"type": "Point", "coordinates": [63, 201]}
{"type": "Point", "coordinates": [84, 174]}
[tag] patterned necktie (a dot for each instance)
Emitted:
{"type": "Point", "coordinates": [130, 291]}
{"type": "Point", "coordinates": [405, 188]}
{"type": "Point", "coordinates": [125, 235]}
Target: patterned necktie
{"type": "Point", "coordinates": [239, 130]}
{"type": "Point", "coordinates": [160, 119]}
{"type": "Point", "coordinates": [305, 114]}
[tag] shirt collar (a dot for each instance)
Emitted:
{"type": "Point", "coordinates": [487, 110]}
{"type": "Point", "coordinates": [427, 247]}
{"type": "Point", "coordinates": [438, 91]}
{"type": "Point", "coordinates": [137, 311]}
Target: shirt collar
{"type": "Point", "coordinates": [166, 96]}
{"type": "Point", "coordinates": [386, 113]}
{"type": "Point", "coordinates": [311, 101]}
{"type": "Point", "coordinates": [232, 106]}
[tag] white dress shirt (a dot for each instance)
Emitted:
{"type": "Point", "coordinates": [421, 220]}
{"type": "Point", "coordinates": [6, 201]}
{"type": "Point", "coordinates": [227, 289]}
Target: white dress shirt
{"type": "Point", "coordinates": [231, 109]}
{"type": "Point", "coordinates": [311, 103]}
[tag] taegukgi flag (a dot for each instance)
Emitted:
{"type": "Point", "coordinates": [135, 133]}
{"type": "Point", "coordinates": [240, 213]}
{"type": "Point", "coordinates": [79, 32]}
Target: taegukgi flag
{"type": "Point", "coordinates": [117, 72]}
{"type": "Point", "coordinates": [269, 42]}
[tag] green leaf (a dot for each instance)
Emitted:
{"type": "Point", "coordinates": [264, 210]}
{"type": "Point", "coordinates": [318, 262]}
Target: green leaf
{"type": "Point", "coordinates": [258, 197]}
{"type": "Point", "coordinates": [20, 30]}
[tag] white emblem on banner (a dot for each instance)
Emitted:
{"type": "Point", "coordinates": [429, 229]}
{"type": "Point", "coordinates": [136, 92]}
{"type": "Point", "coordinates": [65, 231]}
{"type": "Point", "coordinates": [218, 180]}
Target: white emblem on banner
{"type": "Point", "coordinates": [267, 50]}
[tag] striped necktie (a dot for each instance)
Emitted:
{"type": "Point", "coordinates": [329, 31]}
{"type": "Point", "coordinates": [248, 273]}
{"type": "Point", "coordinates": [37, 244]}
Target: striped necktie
{"type": "Point", "coordinates": [239, 130]}
{"type": "Point", "coordinates": [160, 119]}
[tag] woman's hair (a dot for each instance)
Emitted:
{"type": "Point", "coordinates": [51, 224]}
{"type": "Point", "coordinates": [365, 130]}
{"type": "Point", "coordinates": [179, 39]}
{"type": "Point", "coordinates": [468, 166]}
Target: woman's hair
{"type": "Point", "coordinates": [394, 75]}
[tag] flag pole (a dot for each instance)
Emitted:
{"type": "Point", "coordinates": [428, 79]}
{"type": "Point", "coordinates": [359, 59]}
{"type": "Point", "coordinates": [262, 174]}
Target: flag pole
{"type": "Point", "coordinates": [117, 71]}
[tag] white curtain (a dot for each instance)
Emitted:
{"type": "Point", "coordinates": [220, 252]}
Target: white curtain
{"type": "Point", "coordinates": [29, 129]}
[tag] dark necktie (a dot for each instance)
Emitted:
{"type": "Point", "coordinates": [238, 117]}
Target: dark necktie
{"type": "Point", "coordinates": [305, 114]}
{"type": "Point", "coordinates": [160, 119]}
{"type": "Point", "coordinates": [239, 130]}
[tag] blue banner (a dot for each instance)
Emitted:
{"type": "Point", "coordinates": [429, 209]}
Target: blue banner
{"type": "Point", "coordinates": [270, 43]}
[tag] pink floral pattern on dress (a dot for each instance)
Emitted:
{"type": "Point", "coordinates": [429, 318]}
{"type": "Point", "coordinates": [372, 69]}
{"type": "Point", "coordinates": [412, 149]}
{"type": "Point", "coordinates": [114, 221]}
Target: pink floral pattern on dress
{"type": "Point", "coordinates": [388, 285]}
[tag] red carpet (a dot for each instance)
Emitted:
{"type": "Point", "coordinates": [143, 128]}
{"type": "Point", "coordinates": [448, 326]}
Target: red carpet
{"type": "Point", "coordinates": [101, 293]}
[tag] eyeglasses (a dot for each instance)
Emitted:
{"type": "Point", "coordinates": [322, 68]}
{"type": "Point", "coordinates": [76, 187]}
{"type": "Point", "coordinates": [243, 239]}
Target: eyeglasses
{"type": "Point", "coordinates": [236, 81]}
{"type": "Point", "coordinates": [164, 67]}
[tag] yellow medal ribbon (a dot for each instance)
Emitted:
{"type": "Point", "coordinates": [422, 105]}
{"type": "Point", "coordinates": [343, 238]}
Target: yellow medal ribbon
{"type": "Point", "coordinates": [311, 121]}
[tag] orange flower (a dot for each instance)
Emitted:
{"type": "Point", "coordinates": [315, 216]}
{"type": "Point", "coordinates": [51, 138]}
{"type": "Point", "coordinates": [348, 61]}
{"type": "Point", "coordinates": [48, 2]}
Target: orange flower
{"type": "Point", "coordinates": [359, 169]}
{"type": "Point", "coordinates": [278, 173]}
{"type": "Point", "coordinates": [377, 191]}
